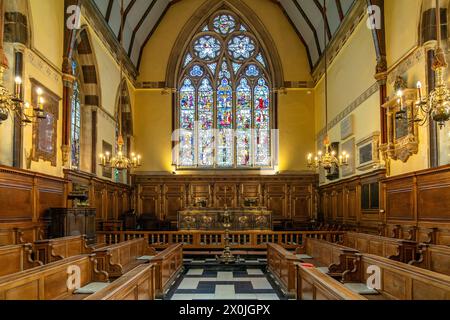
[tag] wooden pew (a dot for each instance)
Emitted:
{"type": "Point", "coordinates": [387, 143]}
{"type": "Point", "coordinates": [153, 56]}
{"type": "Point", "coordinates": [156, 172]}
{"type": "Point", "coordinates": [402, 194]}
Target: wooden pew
{"type": "Point", "coordinates": [395, 249]}
{"type": "Point", "coordinates": [50, 250]}
{"type": "Point", "coordinates": [315, 285]}
{"type": "Point", "coordinates": [118, 259]}
{"type": "Point", "coordinates": [16, 258]}
{"type": "Point", "coordinates": [400, 280]}
{"type": "Point", "coordinates": [280, 264]}
{"type": "Point", "coordinates": [336, 258]}
{"type": "Point", "coordinates": [138, 284]}
{"type": "Point", "coordinates": [49, 282]}
{"type": "Point", "coordinates": [433, 257]}
{"type": "Point", "coordinates": [169, 263]}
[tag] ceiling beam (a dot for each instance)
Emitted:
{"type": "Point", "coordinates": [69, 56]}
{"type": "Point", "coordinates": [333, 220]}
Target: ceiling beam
{"type": "Point", "coordinates": [125, 14]}
{"type": "Point", "coordinates": [302, 39]}
{"type": "Point", "coordinates": [108, 10]}
{"type": "Point", "coordinates": [104, 31]}
{"type": "Point", "coordinates": [340, 11]}
{"type": "Point", "coordinates": [152, 31]}
{"type": "Point", "coordinates": [324, 16]}
{"type": "Point", "coordinates": [138, 26]}
{"type": "Point", "coordinates": [313, 29]}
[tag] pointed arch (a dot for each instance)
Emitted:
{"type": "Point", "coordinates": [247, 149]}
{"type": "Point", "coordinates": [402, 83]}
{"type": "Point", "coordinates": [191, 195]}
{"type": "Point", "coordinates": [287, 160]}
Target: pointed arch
{"type": "Point", "coordinates": [87, 80]}
{"type": "Point", "coordinates": [90, 80]}
{"type": "Point", "coordinates": [234, 132]}
{"type": "Point", "coordinates": [126, 112]}
{"type": "Point", "coordinates": [248, 16]}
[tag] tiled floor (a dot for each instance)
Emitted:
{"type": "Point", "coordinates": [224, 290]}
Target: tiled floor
{"type": "Point", "coordinates": [214, 283]}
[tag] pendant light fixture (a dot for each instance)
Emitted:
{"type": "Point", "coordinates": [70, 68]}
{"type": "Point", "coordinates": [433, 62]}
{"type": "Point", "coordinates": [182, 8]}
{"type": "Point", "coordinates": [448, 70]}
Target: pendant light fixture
{"type": "Point", "coordinates": [326, 159]}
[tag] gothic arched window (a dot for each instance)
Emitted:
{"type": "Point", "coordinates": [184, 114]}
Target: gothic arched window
{"type": "Point", "coordinates": [76, 119]}
{"type": "Point", "coordinates": [224, 105]}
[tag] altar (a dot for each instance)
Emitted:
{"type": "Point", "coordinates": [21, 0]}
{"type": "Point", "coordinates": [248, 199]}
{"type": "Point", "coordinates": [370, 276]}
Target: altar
{"type": "Point", "coordinates": [214, 219]}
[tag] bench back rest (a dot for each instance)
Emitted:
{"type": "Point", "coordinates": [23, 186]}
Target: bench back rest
{"type": "Point", "coordinates": [137, 284]}
{"type": "Point", "coordinates": [396, 249]}
{"type": "Point", "coordinates": [13, 258]}
{"type": "Point", "coordinates": [406, 282]}
{"type": "Point", "coordinates": [50, 250]}
{"type": "Point", "coordinates": [326, 252]}
{"type": "Point", "coordinates": [46, 282]}
{"type": "Point", "coordinates": [434, 257]}
{"type": "Point", "coordinates": [315, 285]}
{"type": "Point", "coordinates": [126, 252]}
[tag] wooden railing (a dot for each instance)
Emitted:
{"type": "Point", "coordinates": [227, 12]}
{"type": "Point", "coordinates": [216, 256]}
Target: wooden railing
{"type": "Point", "coordinates": [216, 239]}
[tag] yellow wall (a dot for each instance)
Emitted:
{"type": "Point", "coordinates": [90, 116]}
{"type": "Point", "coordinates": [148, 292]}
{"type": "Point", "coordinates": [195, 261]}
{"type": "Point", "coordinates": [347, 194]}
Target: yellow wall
{"type": "Point", "coordinates": [153, 124]}
{"type": "Point", "coordinates": [300, 114]}
{"type": "Point", "coordinates": [402, 18]}
{"type": "Point", "coordinates": [43, 62]}
{"type": "Point", "coordinates": [153, 112]}
{"type": "Point", "coordinates": [350, 74]}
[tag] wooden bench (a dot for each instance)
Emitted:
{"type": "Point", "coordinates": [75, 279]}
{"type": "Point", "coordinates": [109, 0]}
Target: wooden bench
{"type": "Point", "coordinates": [331, 258]}
{"type": "Point", "coordinates": [16, 258]}
{"type": "Point", "coordinates": [118, 259]}
{"type": "Point", "coordinates": [313, 284]}
{"type": "Point", "coordinates": [395, 249]}
{"type": "Point", "coordinates": [433, 257]}
{"type": "Point", "coordinates": [50, 250]}
{"type": "Point", "coordinates": [138, 284]}
{"type": "Point", "coordinates": [400, 280]}
{"type": "Point", "coordinates": [169, 263]}
{"type": "Point", "coordinates": [280, 264]}
{"type": "Point", "coordinates": [49, 282]}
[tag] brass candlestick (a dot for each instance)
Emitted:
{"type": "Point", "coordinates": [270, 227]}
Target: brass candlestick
{"type": "Point", "coordinates": [226, 257]}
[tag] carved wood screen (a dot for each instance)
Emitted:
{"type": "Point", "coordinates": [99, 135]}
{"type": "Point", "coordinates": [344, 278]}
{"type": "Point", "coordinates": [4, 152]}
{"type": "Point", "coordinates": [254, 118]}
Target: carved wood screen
{"type": "Point", "coordinates": [45, 131]}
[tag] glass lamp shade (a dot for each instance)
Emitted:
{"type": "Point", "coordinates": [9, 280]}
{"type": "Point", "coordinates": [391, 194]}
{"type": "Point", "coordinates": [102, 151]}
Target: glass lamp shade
{"type": "Point", "coordinates": [3, 114]}
{"type": "Point", "coordinates": [441, 113]}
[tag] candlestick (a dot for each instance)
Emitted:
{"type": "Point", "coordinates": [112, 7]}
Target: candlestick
{"type": "Point", "coordinates": [18, 82]}
{"type": "Point", "coordinates": [419, 88]}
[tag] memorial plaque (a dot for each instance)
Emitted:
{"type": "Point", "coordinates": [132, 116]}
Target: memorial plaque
{"type": "Point", "coordinates": [347, 127]}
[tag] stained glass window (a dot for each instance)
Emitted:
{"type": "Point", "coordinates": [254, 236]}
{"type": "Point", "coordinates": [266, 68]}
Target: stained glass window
{"type": "Point", "coordinates": [224, 99]}
{"type": "Point", "coordinates": [207, 47]}
{"type": "Point", "coordinates": [76, 120]}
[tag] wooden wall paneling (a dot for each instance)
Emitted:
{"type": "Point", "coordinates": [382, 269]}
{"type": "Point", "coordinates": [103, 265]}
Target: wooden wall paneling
{"type": "Point", "coordinates": [301, 202]}
{"type": "Point", "coordinates": [250, 191]}
{"type": "Point", "coordinates": [109, 199]}
{"type": "Point", "coordinates": [174, 200]}
{"type": "Point", "coordinates": [428, 201]}
{"type": "Point", "coordinates": [225, 193]}
{"type": "Point", "coordinates": [16, 196]}
{"type": "Point", "coordinates": [286, 195]}
{"type": "Point", "coordinates": [149, 199]}
{"type": "Point", "coordinates": [276, 199]}
{"type": "Point", "coordinates": [25, 197]}
{"type": "Point", "coordinates": [200, 191]}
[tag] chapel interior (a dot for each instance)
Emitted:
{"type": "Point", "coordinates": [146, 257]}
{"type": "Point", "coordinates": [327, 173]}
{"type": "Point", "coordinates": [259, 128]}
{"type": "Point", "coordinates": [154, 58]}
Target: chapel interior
{"type": "Point", "coordinates": [224, 150]}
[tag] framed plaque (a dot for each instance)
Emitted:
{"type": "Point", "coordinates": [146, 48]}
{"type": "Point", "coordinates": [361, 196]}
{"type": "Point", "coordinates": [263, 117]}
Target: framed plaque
{"type": "Point", "coordinates": [368, 152]}
{"type": "Point", "coordinates": [45, 132]}
{"type": "Point", "coordinates": [347, 127]}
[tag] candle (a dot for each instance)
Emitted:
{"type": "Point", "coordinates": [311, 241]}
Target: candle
{"type": "Point", "coordinates": [18, 82]}
{"type": "Point", "coordinates": [419, 89]}
{"type": "Point", "coordinates": [139, 160]}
